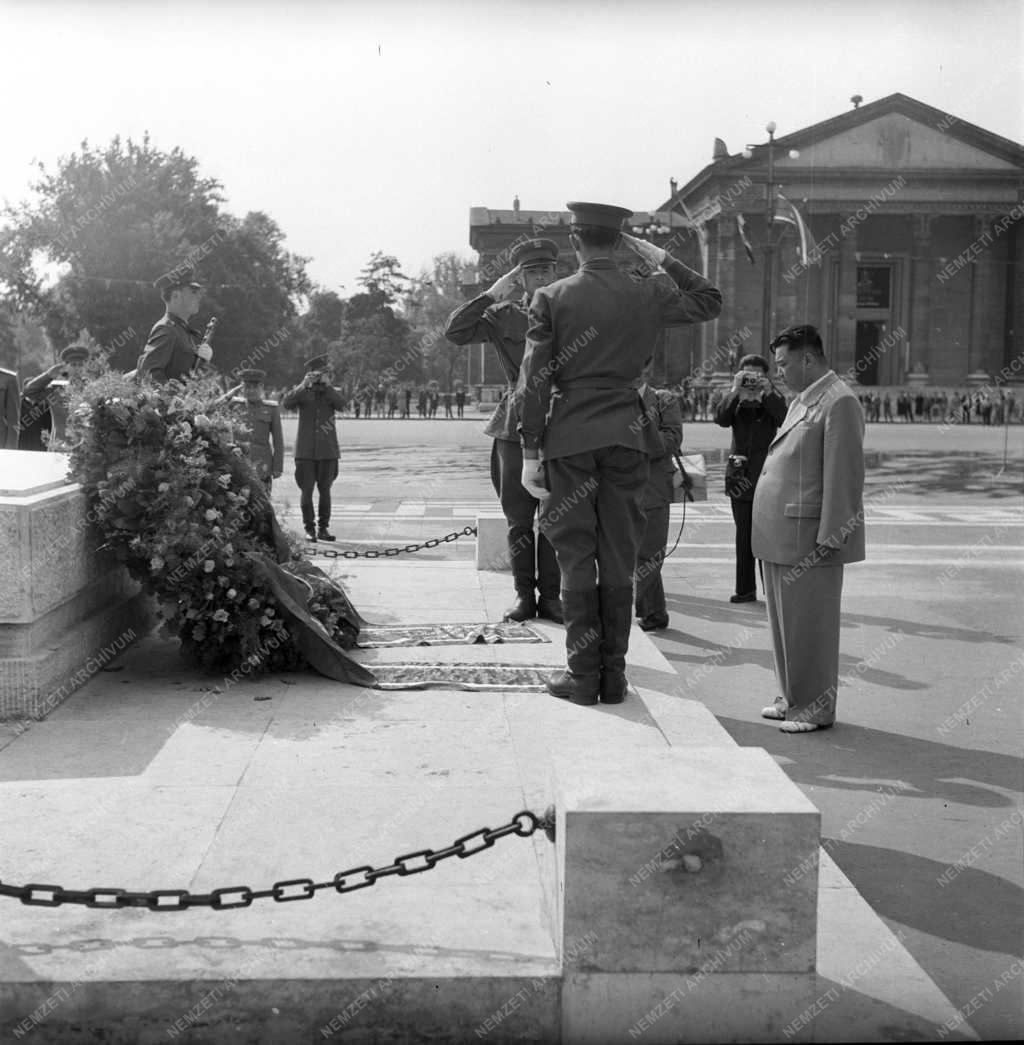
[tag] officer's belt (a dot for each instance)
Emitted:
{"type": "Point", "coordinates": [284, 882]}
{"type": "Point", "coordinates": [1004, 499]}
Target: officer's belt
{"type": "Point", "coordinates": [597, 383]}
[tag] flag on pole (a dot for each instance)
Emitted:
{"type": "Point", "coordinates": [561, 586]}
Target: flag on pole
{"type": "Point", "coordinates": [702, 235]}
{"type": "Point", "coordinates": [792, 216]}
{"type": "Point", "coordinates": [741, 227]}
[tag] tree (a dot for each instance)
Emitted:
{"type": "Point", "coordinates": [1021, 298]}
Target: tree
{"type": "Point", "coordinates": [108, 221]}
{"type": "Point", "coordinates": [381, 276]}
{"type": "Point", "coordinates": [436, 295]}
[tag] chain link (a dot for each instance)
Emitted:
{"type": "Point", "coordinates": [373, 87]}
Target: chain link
{"type": "Point", "coordinates": [376, 553]}
{"type": "Point", "coordinates": [522, 824]}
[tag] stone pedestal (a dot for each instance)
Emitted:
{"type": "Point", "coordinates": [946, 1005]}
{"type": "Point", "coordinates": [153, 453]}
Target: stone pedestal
{"type": "Point", "coordinates": [688, 897]}
{"type": "Point", "coordinates": [66, 610]}
{"type": "Point", "coordinates": [492, 543]}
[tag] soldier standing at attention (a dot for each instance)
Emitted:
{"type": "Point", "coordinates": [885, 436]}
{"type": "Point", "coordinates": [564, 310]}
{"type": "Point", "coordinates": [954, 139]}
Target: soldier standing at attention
{"type": "Point", "coordinates": [264, 419]}
{"type": "Point", "coordinates": [499, 316]}
{"type": "Point", "coordinates": [316, 446]}
{"type": "Point", "coordinates": [590, 336]}
{"type": "Point", "coordinates": [45, 398]}
{"type": "Point", "coordinates": [173, 349]}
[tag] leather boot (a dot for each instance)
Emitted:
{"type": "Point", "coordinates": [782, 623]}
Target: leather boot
{"type": "Point", "coordinates": [522, 551]}
{"type": "Point", "coordinates": [616, 607]}
{"type": "Point", "coordinates": [581, 682]}
{"type": "Point", "coordinates": [549, 580]}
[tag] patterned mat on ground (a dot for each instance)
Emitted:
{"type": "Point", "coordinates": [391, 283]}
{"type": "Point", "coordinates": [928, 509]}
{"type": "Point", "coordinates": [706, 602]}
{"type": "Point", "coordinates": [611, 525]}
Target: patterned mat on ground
{"type": "Point", "coordinates": [462, 676]}
{"type": "Point", "coordinates": [374, 635]}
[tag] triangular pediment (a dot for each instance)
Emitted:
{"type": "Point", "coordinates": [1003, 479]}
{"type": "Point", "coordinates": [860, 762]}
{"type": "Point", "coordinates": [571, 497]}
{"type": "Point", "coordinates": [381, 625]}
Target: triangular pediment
{"type": "Point", "coordinates": [896, 141]}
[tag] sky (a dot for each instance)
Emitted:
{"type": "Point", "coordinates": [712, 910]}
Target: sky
{"type": "Point", "coordinates": [360, 127]}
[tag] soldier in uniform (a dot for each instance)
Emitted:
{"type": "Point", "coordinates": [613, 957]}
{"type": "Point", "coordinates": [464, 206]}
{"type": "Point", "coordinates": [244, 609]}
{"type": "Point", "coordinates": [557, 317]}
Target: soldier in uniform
{"type": "Point", "coordinates": [590, 336]}
{"type": "Point", "coordinates": [316, 446]}
{"type": "Point", "coordinates": [45, 402]}
{"type": "Point", "coordinates": [10, 409]}
{"type": "Point", "coordinates": [264, 419]}
{"type": "Point", "coordinates": [499, 316]}
{"type": "Point", "coordinates": [173, 349]}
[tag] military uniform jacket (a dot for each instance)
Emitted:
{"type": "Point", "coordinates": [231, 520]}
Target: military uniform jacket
{"type": "Point", "coordinates": [10, 410]}
{"type": "Point", "coordinates": [811, 489]}
{"type": "Point", "coordinates": [589, 337]}
{"type": "Point", "coordinates": [317, 439]}
{"type": "Point", "coordinates": [48, 393]}
{"type": "Point", "coordinates": [666, 419]}
{"type": "Point", "coordinates": [170, 352]}
{"type": "Point", "coordinates": [503, 324]}
{"type": "Point", "coordinates": [264, 419]}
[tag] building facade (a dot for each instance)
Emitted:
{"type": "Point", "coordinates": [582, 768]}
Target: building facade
{"type": "Point", "coordinates": [914, 269]}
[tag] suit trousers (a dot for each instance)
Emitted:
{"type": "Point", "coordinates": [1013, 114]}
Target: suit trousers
{"type": "Point", "coordinates": [803, 614]}
{"type": "Point", "coordinates": [743, 514]}
{"type": "Point", "coordinates": [650, 592]}
{"type": "Point", "coordinates": [593, 516]}
{"type": "Point", "coordinates": [311, 473]}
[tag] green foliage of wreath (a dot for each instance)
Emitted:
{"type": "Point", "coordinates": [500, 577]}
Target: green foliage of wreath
{"type": "Point", "coordinates": [177, 501]}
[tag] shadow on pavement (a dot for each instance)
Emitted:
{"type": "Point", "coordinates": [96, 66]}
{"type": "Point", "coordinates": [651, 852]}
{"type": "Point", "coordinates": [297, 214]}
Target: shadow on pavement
{"type": "Point", "coordinates": [927, 472]}
{"type": "Point", "coordinates": [855, 758]}
{"type": "Point", "coordinates": [974, 908]}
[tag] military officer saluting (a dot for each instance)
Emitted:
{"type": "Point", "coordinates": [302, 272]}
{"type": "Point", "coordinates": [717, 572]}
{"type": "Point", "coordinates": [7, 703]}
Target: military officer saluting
{"type": "Point", "coordinates": [589, 338]}
{"type": "Point", "coordinates": [265, 445]}
{"type": "Point", "coordinates": [45, 400]}
{"type": "Point", "coordinates": [174, 349]}
{"type": "Point", "coordinates": [499, 316]}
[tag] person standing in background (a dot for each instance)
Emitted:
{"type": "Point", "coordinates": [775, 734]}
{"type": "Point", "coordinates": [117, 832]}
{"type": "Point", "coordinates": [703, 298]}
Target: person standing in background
{"type": "Point", "coordinates": [753, 409]}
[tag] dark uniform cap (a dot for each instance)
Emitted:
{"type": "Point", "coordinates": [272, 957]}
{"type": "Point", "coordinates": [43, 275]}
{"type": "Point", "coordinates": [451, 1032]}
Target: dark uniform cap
{"type": "Point", "coordinates": [318, 363]}
{"type": "Point", "coordinates": [533, 252]}
{"type": "Point", "coordinates": [176, 278]}
{"type": "Point", "coordinates": [74, 354]}
{"type": "Point", "coordinates": [252, 377]}
{"type": "Point", "coordinates": [599, 215]}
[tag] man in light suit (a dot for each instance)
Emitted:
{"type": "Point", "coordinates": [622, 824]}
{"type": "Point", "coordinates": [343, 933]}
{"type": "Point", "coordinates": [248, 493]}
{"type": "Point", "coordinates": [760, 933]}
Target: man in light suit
{"type": "Point", "coordinates": [808, 522]}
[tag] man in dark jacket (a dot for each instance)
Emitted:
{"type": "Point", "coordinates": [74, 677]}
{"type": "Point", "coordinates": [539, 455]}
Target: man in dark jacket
{"type": "Point", "coordinates": [589, 339]}
{"type": "Point", "coordinates": [754, 410]}
{"type": "Point", "coordinates": [316, 445]}
{"type": "Point", "coordinates": [173, 349]}
{"type": "Point", "coordinates": [499, 316]}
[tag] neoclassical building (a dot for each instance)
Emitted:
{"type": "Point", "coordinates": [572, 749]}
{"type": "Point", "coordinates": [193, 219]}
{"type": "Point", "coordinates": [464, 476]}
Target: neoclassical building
{"type": "Point", "coordinates": [914, 265]}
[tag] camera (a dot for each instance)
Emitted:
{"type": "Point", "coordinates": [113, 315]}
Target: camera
{"type": "Point", "coordinates": [749, 380]}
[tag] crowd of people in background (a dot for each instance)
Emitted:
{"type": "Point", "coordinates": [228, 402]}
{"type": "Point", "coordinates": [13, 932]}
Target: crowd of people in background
{"type": "Point", "coordinates": [370, 400]}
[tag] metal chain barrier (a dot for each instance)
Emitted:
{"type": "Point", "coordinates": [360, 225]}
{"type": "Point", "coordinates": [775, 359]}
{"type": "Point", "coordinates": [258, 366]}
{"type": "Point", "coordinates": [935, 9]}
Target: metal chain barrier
{"type": "Point", "coordinates": [523, 824]}
{"type": "Point", "coordinates": [387, 553]}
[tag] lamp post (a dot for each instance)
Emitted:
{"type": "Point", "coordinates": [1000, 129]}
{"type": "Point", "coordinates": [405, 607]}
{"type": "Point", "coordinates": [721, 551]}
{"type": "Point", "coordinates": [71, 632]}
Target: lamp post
{"type": "Point", "coordinates": [769, 256]}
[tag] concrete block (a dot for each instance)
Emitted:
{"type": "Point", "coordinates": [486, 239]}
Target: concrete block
{"type": "Point", "coordinates": [66, 609]}
{"type": "Point", "coordinates": [666, 1009]}
{"type": "Point", "coordinates": [676, 863]}
{"type": "Point", "coordinates": [492, 543]}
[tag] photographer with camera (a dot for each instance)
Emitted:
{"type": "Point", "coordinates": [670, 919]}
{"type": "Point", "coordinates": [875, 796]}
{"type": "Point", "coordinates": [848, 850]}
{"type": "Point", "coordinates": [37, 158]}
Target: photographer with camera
{"type": "Point", "coordinates": [316, 445]}
{"type": "Point", "coordinates": [754, 410]}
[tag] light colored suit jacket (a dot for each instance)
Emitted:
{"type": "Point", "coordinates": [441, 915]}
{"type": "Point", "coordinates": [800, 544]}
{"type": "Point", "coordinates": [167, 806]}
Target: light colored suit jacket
{"type": "Point", "coordinates": [811, 490]}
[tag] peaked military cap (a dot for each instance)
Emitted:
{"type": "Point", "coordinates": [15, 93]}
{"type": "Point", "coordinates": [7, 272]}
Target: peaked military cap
{"type": "Point", "coordinates": [74, 354]}
{"type": "Point", "coordinates": [252, 377]}
{"type": "Point", "coordinates": [177, 277]}
{"type": "Point", "coordinates": [318, 363]}
{"type": "Point", "coordinates": [599, 215]}
{"type": "Point", "coordinates": [533, 252]}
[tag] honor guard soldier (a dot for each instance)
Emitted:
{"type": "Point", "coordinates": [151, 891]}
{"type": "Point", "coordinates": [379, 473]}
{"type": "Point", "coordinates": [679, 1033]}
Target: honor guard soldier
{"type": "Point", "coordinates": [10, 409]}
{"type": "Point", "coordinates": [316, 446]}
{"type": "Point", "coordinates": [499, 316]}
{"type": "Point", "coordinates": [590, 336]}
{"type": "Point", "coordinates": [45, 400]}
{"type": "Point", "coordinates": [264, 419]}
{"type": "Point", "coordinates": [174, 349]}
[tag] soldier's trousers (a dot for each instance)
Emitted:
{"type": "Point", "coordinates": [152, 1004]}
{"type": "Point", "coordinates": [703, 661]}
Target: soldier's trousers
{"type": "Point", "coordinates": [594, 517]}
{"type": "Point", "coordinates": [319, 474]}
{"type": "Point", "coordinates": [520, 510]}
{"type": "Point", "coordinates": [650, 592]}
